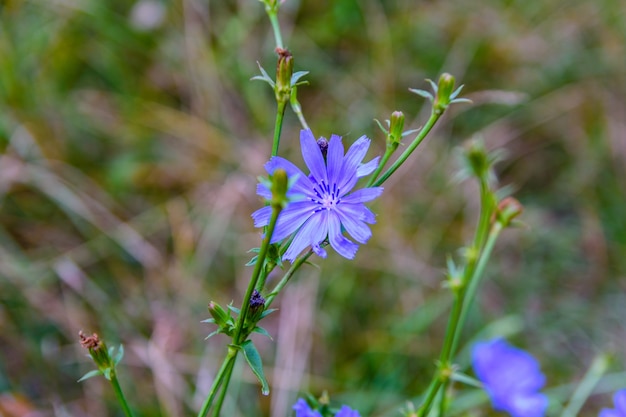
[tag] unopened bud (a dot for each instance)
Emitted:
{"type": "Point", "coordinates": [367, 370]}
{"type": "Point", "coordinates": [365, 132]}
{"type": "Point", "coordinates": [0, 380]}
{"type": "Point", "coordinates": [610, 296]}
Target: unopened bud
{"type": "Point", "coordinates": [284, 71]}
{"type": "Point", "coordinates": [445, 88]}
{"type": "Point", "coordinates": [322, 142]}
{"type": "Point", "coordinates": [280, 183]}
{"type": "Point", "coordinates": [220, 315]}
{"type": "Point", "coordinates": [257, 306]}
{"type": "Point", "coordinates": [477, 159]}
{"type": "Point", "coordinates": [396, 125]}
{"type": "Point", "coordinates": [97, 350]}
{"type": "Point", "coordinates": [507, 210]}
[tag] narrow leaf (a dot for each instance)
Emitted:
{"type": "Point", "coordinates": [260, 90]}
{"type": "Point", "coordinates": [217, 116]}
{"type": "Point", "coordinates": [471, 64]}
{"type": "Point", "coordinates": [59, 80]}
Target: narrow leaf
{"type": "Point", "coordinates": [254, 360]}
{"type": "Point", "coordinates": [267, 312]}
{"type": "Point", "coordinates": [261, 330]}
{"type": "Point", "coordinates": [90, 374]}
{"type": "Point", "coordinates": [422, 93]}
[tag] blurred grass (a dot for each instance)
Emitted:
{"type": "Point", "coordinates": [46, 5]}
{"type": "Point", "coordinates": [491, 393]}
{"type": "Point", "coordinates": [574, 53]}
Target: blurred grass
{"type": "Point", "coordinates": [128, 161]}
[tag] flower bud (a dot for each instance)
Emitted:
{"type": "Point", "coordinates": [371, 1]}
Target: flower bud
{"type": "Point", "coordinates": [477, 159]}
{"type": "Point", "coordinates": [97, 350]}
{"type": "Point", "coordinates": [507, 210]}
{"type": "Point", "coordinates": [445, 88]}
{"type": "Point", "coordinates": [395, 128]}
{"type": "Point", "coordinates": [322, 142]}
{"type": "Point", "coordinates": [284, 71]}
{"type": "Point", "coordinates": [280, 183]}
{"type": "Point", "coordinates": [220, 315]}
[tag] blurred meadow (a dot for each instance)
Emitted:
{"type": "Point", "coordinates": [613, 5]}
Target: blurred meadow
{"type": "Point", "coordinates": [131, 138]}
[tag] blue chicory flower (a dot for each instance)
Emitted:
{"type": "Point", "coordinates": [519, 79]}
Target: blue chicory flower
{"type": "Point", "coordinates": [346, 411]}
{"type": "Point", "coordinates": [302, 409]}
{"type": "Point", "coordinates": [325, 206]}
{"type": "Point", "coordinates": [511, 377]}
{"type": "Point", "coordinates": [619, 399]}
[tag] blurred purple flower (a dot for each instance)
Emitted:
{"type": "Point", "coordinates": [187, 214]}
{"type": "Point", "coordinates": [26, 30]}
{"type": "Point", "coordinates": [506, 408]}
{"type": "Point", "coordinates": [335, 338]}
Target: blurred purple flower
{"type": "Point", "coordinates": [325, 206]}
{"type": "Point", "coordinates": [619, 399]}
{"type": "Point", "coordinates": [347, 412]}
{"type": "Point", "coordinates": [302, 409]}
{"type": "Point", "coordinates": [511, 377]}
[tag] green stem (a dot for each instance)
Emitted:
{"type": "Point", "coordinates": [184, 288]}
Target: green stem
{"type": "Point", "coordinates": [472, 288]}
{"type": "Point", "coordinates": [273, 15]}
{"type": "Point", "coordinates": [465, 294]}
{"type": "Point", "coordinates": [223, 376]}
{"type": "Point", "coordinates": [217, 382]}
{"type": "Point", "coordinates": [278, 126]}
{"type": "Point", "coordinates": [418, 139]}
{"type": "Point", "coordinates": [240, 336]}
{"type": "Point", "coordinates": [294, 267]}
{"type": "Point", "coordinates": [388, 152]}
{"type": "Point", "coordinates": [119, 394]}
{"type": "Point", "coordinates": [585, 388]}
{"type": "Point", "coordinates": [227, 375]}
{"type": "Point", "coordinates": [431, 393]}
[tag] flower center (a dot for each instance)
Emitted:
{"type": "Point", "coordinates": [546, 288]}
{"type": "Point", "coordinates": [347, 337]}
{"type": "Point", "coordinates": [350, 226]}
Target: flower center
{"type": "Point", "coordinates": [327, 196]}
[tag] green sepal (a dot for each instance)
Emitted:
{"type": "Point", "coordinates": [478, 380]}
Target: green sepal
{"type": "Point", "coordinates": [107, 373]}
{"type": "Point", "coordinates": [90, 374]}
{"type": "Point", "coordinates": [422, 93]}
{"type": "Point", "coordinates": [218, 331]}
{"type": "Point", "coordinates": [296, 76]}
{"type": "Point", "coordinates": [380, 125]}
{"type": "Point", "coordinates": [254, 360]}
{"type": "Point", "coordinates": [260, 330]}
{"type": "Point", "coordinates": [234, 309]}
{"type": "Point", "coordinates": [466, 379]}
{"type": "Point", "coordinates": [267, 313]}
{"type": "Point", "coordinates": [265, 77]}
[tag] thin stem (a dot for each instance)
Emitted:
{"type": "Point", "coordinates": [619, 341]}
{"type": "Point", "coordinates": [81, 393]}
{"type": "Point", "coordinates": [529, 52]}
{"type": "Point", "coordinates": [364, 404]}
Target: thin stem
{"type": "Point", "coordinates": [388, 152]}
{"type": "Point", "coordinates": [223, 377]}
{"type": "Point", "coordinates": [585, 388]}
{"type": "Point", "coordinates": [216, 383]}
{"type": "Point", "coordinates": [297, 108]}
{"type": "Point", "coordinates": [418, 139]}
{"type": "Point", "coordinates": [465, 294]}
{"type": "Point", "coordinates": [273, 15]}
{"type": "Point", "coordinates": [472, 288]}
{"type": "Point", "coordinates": [433, 389]}
{"type": "Point", "coordinates": [285, 279]}
{"type": "Point", "coordinates": [278, 126]}
{"type": "Point", "coordinates": [258, 266]}
{"type": "Point", "coordinates": [227, 375]}
{"type": "Point", "coordinates": [119, 394]}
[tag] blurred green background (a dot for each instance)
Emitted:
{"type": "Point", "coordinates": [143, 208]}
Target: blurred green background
{"type": "Point", "coordinates": [131, 139]}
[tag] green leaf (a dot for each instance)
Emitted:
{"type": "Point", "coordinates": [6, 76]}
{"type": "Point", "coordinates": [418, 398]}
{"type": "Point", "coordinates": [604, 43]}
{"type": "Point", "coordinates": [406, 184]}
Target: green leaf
{"type": "Point", "coordinates": [234, 309]}
{"type": "Point", "coordinates": [296, 76]}
{"type": "Point", "coordinates": [422, 93]}
{"type": "Point", "coordinates": [261, 330]}
{"type": "Point", "coordinates": [90, 374]}
{"type": "Point", "coordinates": [218, 331]}
{"type": "Point", "coordinates": [107, 373]}
{"type": "Point", "coordinates": [267, 312]}
{"type": "Point", "coordinates": [254, 360]}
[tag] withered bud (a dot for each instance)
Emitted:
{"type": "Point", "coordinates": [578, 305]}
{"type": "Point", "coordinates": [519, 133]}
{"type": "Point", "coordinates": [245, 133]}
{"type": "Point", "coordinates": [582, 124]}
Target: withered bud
{"type": "Point", "coordinates": [89, 342]}
{"type": "Point", "coordinates": [508, 209]}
